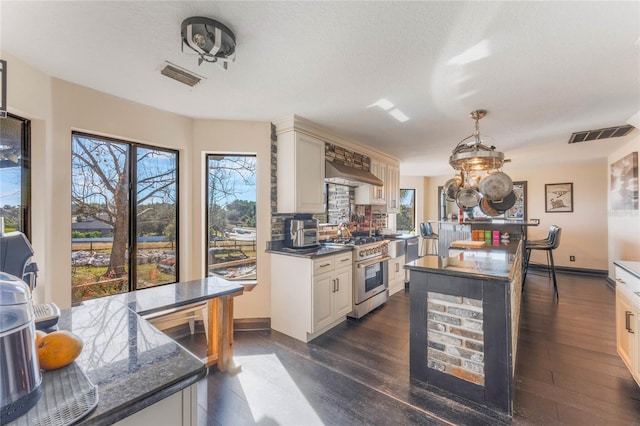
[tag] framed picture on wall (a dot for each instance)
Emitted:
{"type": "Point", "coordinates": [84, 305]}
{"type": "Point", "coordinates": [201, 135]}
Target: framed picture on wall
{"type": "Point", "coordinates": [519, 209]}
{"type": "Point", "coordinates": [624, 183]}
{"type": "Point", "coordinates": [559, 197]}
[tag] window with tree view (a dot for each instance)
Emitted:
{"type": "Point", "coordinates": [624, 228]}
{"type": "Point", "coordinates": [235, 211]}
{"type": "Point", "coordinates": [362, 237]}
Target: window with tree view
{"type": "Point", "coordinates": [231, 216]}
{"type": "Point", "coordinates": [15, 174]}
{"type": "Point", "coordinates": [406, 219]}
{"type": "Point", "coordinates": [124, 216]}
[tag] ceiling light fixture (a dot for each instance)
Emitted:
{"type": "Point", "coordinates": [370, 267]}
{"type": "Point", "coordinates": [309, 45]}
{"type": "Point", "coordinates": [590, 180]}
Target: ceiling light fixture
{"type": "Point", "coordinates": [210, 39]}
{"type": "Point", "coordinates": [467, 188]}
{"type": "Point", "coordinates": [475, 156]}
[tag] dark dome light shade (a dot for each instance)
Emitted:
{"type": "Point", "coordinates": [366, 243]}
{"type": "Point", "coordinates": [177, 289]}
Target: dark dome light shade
{"type": "Point", "coordinates": [210, 39]}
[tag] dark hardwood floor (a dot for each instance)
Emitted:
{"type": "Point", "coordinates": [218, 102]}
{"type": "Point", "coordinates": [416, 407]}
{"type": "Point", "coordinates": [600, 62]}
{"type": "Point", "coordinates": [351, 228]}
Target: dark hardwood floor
{"type": "Point", "coordinates": [568, 371]}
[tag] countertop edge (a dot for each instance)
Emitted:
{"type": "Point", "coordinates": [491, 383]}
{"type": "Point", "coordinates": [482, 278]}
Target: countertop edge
{"type": "Point", "coordinates": [133, 407]}
{"type": "Point", "coordinates": [632, 267]}
{"type": "Point", "coordinates": [324, 251]}
{"type": "Point", "coordinates": [232, 291]}
{"type": "Point", "coordinates": [458, 274]}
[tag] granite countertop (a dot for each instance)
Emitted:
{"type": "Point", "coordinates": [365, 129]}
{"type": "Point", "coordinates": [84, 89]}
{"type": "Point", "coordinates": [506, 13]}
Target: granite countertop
{"type": "Point", "coordinates": [490, 262]}
{"type": "Point", "coordinates": [168, 296]}
{"type": "Point", "coordinates": [133, 364]}
{"type": "Point", "coordinates": [322, 251]}
{"type": "Point", "coordinates": [630, 266]}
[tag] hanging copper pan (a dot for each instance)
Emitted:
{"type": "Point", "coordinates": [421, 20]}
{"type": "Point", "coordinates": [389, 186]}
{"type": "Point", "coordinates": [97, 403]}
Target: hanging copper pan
{"type": "Point", "coordinates": [505, 204]}
{"type": "Point", "coordinates": [468, 198]}
{"type": "Point", "coordinates": [486, 208]}
{"type": "Point", "coordinates": [496, 186]}
{"type": "Point", "coordinates": [451, 188]}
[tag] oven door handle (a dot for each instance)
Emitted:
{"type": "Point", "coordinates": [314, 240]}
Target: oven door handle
{"type": "Point", "coordinates": [366, 263]}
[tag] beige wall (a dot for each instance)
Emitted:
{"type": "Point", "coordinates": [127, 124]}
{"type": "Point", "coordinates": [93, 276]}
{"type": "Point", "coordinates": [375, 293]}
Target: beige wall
{"type": "Point", "coordinates": [234, 137]}
{"type": "Point", "coordinates": [584, 232]}
{"type": "Point", "coordinates": [29, 96]}
{"type": "Point", "coordinates": [56, 108]}
{"type": "Point", "coordinates": [419, 184]}
{"type": "Point", "coordinates": [624, 226]}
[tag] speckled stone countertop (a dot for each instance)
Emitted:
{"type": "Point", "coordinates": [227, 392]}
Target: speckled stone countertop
{"type": "Point", "coordinates": [322, 251]}
{"type": "Point", "coordinates": [155, 299]}
{"type": "Point", "coordinates": [491, 262]}
{"type": "Point", "coordinates": [133, 364]}
{"type": "Point", "coordinates": [629, 266]}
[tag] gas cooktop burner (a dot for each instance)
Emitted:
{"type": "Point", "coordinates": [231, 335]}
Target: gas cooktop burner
{"type": "Point", "coordinates": [355, 241]}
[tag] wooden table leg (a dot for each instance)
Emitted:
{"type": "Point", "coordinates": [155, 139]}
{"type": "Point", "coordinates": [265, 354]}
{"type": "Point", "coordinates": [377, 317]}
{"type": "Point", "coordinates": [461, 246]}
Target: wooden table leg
{"type": "Point", "coordinates": [220, 342]}
{"type": "Point", "coordinates": [225, 331]}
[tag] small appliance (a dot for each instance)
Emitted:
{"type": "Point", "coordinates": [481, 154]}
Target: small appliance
{"type": "Point", "coordinates": [21, 377]}
{"type": "Point", "coordinates": [301, 231]}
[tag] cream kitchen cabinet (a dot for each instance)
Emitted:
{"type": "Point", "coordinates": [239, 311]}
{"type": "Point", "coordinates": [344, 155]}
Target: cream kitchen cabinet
{"type": "Point", "coordinates": [370, 194]}
{"type": "Point", "coordinates": [300, 173]}
{"type": "Point", "coordinates": [310, 296]}
{"type": "Point", "coordinates": [396, 274]}
{"type": "Point", "coordinates": [392, 187]}
{"type": "Point", "coordinates": [628, 319]}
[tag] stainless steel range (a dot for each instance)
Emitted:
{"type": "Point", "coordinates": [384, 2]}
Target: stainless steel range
{"type": "Point", "coordinates": [370, 272]}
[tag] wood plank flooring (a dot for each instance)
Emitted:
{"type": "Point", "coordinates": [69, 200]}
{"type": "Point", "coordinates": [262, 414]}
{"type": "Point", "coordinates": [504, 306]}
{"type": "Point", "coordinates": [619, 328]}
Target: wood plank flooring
{"type": "Point", "coordinates": [568, 371]}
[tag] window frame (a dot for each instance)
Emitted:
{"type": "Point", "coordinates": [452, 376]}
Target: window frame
{"type": "Point", "coordinates": [207, 156]}
{"type": "Point", "coordinates": [133, 198]}
{"type": "Point", "coordinates": [413, 207]}
{"type": "Point", "coordinates": [25, 174]}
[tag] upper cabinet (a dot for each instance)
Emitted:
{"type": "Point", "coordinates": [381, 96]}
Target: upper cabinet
{"type": "Point", "coordinates": [392, 187]}
{"type": "Point", "coordinates": [300, 173]}
{"type": "Point", "coordinates": [370, 194]}
{"type": "Point", "coordinates": [389, 194]}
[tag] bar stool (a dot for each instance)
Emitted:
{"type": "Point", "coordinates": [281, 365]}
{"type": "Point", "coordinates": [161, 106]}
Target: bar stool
{"type": "Point", "coordinates": [549, 244]}
{"type": "Point", "coordinates": [426, 232]}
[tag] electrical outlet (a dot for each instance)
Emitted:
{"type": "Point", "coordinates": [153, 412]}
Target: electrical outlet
{"type": "Point", "coordinates": [572, 258]}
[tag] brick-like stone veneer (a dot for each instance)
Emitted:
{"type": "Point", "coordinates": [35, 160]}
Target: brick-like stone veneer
{"type": "Point", "coordinates": [455, 343]}
{"type": "Point", "coordinates": [332, 153]}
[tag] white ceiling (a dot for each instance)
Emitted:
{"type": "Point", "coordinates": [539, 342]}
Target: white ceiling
{"type": "Point", "coordinates": [549, 68]}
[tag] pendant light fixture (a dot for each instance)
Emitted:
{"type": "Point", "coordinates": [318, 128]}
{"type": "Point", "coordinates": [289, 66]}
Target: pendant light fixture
{"type": "Point", "coordinates": [469, 158]}
{"type": "Point", "coordinates": [475, 156]}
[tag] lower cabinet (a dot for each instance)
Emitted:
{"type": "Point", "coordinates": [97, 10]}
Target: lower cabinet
{"type": "Point", "coordinates": [396, 274]}
{"type": "Point", "coordinates": [181, 408]}
{"type": "Point", "coordinates": [310, 296]}
{"type": "Point", "coordinates": [628, 322]}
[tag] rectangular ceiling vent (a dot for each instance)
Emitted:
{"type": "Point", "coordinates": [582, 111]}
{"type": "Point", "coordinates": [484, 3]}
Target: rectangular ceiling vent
{"type": "Point", "coordinates": [594, 135]}
{"type": "Point", "coordinates": [180, 74]}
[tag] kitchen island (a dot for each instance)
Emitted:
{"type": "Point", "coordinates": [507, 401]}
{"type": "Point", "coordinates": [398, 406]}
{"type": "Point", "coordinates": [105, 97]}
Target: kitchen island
{"type": "Point", "coordinates": [142, 375]}
{"type": "Point", "coordinates": [464, 324]}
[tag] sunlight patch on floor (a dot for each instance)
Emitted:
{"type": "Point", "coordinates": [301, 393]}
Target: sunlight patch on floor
{"type": "Point", "coordinates": [283, 403]}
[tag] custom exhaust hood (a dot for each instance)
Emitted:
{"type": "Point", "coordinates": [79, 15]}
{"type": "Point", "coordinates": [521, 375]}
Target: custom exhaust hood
{"type": "Point", "coordinates": [350, 176]}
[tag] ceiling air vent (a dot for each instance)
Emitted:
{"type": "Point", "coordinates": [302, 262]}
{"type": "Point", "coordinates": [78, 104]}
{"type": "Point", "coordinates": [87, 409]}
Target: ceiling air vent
{"type": "Point", "coordinates": [180, 74]}
{"type": "Point", "coordinates": [594, 135]}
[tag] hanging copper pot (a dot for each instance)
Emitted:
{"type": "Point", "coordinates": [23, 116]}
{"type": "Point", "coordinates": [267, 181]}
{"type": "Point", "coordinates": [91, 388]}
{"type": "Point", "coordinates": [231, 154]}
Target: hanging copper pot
{"type": "Point", "coordinates": [504, 204]}
{"type": "Point", "coordinates": [496, 186]}
{"type": "Point", "coordinates": [486, 208]}
{"type": "Point", "coordinates": [468, 198]}
{"type": "Point", "coordinates": [451, 187]}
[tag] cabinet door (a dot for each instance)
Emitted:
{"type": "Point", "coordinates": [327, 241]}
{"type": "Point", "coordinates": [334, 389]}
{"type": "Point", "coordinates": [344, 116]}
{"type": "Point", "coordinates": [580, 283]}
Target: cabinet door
{"type": "Point", "coordinates": [343, 296]}
{"type": "Point", "coordinates": [380, 170]}
{"type": "Point", "coordinates": [323, 289]}
{"type": "Point", "coordinates": [625, 331]}
{"type": "Point", "coordinates": [310, 160]}
{"type": "Point", "coordinates": [392, 185]}
{"type": "Point", "coordinates": [396, 270]}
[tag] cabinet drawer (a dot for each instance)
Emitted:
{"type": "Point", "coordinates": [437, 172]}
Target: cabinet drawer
{"type": "Point", "coordinates": [323, 264]}
{"type": "Point", "coordinates": [343, 259]}
{"type": "Point", "coordinates": [625, 278]}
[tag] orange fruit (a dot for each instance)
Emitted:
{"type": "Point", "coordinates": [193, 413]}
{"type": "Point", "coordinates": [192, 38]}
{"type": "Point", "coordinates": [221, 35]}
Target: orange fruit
{"type": "Point", "coordinates": [58, 349]}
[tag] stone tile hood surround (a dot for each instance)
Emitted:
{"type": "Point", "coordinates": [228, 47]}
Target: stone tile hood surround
{"type": "Point", "coordinates": [350, 176]}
